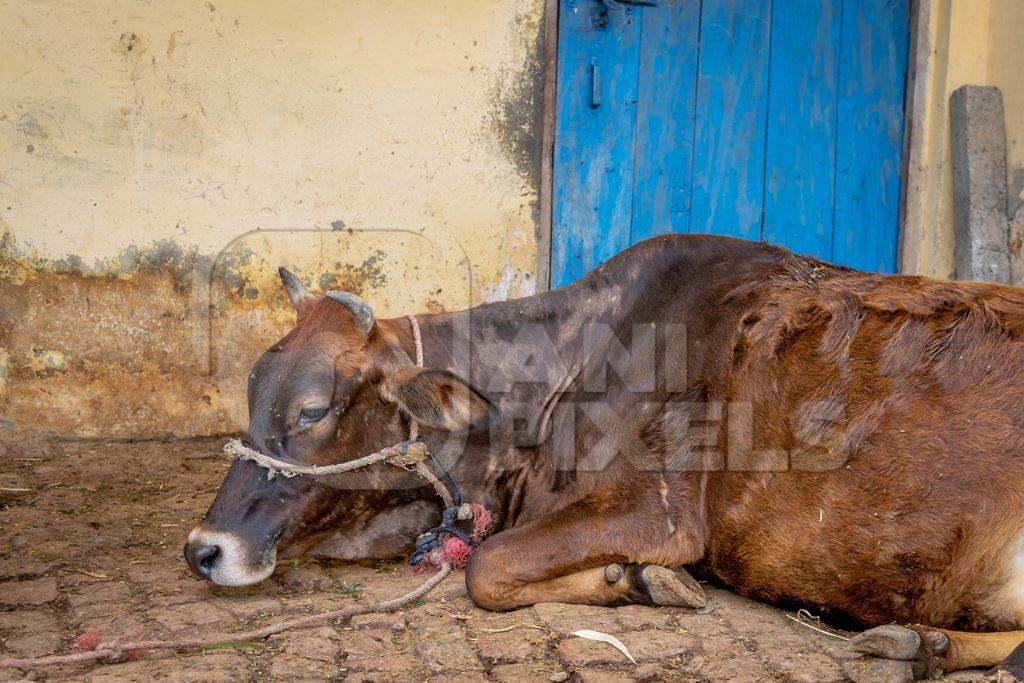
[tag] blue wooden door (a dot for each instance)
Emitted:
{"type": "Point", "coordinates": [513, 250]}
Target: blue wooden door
{"type": "Point", "coordinates": [779, 120]}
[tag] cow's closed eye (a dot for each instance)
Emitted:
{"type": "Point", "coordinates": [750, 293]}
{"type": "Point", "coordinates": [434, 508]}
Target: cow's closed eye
{"type": "Point", "coordinates": [311, 414]}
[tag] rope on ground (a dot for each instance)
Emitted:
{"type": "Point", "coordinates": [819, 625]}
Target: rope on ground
{"type": "Point", "coordinates": [409, 454]}
{"type": "Point", "coordinates": [117, 649]}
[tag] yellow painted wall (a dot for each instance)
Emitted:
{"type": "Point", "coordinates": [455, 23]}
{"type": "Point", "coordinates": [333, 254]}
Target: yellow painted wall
{"type": "Point", "coordinates": [970, 42]}
{"type": "Point", "coordinates": [1006, 69]}
{"type": "Point", "coordinates": [158, 161]}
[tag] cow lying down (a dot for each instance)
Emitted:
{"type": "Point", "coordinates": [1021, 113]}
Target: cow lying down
{"type": "Point", "coordinates": [806, 434]}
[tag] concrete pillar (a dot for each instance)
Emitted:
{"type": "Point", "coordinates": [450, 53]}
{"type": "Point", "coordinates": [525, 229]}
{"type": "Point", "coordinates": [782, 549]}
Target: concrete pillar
{"type": "Point", "coordinates": [979, 184]}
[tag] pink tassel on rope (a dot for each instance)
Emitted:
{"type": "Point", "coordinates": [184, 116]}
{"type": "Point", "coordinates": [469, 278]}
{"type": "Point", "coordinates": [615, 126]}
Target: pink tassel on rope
{"type": "Point", "coordinates": [455, 550]}
{"type": "Point", "coordinates": [87, 641]}
{"type": "Point", "coordinates": [481, 522]}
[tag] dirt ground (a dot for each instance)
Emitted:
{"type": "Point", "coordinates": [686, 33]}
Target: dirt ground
{"type": "Point", "coordinates": [92, 535]}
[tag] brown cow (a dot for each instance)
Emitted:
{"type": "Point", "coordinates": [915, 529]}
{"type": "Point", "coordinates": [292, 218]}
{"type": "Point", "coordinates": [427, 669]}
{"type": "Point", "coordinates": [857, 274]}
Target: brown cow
{"type": "Point", "coordinates": [801, 432]}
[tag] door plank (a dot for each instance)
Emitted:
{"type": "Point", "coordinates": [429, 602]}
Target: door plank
{"type": "Point", "coordinates": [801, 136]}
{"type": "Point", "coordinates": [732, 97]}
{"type": "Point", "coordinates": [593, 180]}
{"type": "Point", "coordinates": [872, 73]}
{"type": "Point", "coordinates": [665, 118]}
{"type": "Point", "coordinates": [736, 117]}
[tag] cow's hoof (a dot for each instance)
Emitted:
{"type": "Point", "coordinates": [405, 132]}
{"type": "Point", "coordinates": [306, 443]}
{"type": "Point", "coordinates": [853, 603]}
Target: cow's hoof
{"type": "Point", "coordinates": [892, 651]}
{"type": "Point", "coordinates": [889, 641]}
{"type": "Point", "coordinates": [671, 587]}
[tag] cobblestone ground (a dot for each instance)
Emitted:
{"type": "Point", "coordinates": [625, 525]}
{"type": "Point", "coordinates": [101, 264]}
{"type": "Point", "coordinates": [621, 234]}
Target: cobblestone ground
{"type": "Point", "coordinates": [92, 535]}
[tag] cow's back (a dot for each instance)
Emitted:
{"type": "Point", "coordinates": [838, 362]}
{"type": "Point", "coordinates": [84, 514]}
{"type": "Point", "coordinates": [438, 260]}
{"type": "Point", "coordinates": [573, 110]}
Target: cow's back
{"type": "Point", "coordinates": [874, 447]}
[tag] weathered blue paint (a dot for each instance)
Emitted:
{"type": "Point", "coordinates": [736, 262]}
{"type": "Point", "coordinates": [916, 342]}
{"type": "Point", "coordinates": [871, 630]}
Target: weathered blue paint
{"type": "Point", "coordinates": [732, 98]}
{"type": "Point", "coordinates": [773, 119]}
{"type": "Point", "coordinates": [664, 130]}
{"type": "Point", "coordinates": [869, 145]}
{"type": "Point", "coordinates": [801, 134]}
{"type": "Point", "coordinates": [594, 145]}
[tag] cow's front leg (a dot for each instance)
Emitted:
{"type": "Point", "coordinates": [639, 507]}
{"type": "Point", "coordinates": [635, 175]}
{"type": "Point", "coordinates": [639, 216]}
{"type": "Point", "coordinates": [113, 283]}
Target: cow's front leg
{"type": "Point", "coordinates": [587, 554]}
{"type": "Point", "coordinates": [612, 584]}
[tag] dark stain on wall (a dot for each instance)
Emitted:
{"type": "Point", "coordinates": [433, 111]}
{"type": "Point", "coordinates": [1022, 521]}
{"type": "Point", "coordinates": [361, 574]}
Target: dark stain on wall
{"type": "Point", "coordinates": [163, 254]}
{"type": "Point", "coordinates": [356, 279]}
{"type": "Point", "coordinates": [517, 113]}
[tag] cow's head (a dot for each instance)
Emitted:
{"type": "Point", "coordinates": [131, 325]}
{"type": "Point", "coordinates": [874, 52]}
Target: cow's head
{"type": "Point", "coordinates": [334, 389]}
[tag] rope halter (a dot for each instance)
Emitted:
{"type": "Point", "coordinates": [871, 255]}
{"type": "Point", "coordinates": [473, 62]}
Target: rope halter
{"type": "Point", "coordinates": [445, 542]}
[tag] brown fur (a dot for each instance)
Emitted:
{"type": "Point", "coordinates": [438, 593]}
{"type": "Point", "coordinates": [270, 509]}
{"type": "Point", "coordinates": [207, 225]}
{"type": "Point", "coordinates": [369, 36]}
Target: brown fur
{"type": "Point", "coordinates": [848, 442]}
{"type": "Point", "coordinates": [917, 523]}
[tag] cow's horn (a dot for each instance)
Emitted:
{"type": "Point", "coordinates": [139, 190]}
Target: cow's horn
{"type": "Point", "coordinates": [295, 290]}
{"type": "Point", "coordinates": [361, 310]}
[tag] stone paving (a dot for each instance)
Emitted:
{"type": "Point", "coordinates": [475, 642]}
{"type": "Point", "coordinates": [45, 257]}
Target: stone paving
{"type": "Point", "coordinates": [94, 543]}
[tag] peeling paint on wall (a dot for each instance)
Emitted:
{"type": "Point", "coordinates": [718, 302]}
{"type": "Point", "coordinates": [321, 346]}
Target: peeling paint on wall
{"type": "Point", "coordinates": [157, 166]}
{"type": "Point", "coordinates": [158, 344]}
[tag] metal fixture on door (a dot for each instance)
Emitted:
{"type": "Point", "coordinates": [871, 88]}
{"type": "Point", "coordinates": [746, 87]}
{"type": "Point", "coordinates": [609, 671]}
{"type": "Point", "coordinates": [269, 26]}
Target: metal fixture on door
{"type": "Point", "coordinates": [618, 4]}
{"type": "Point", "coordinates": [600, 17]}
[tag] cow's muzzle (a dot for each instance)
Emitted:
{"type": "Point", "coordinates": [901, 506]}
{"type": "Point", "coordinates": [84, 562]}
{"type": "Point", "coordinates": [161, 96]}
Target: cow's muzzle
{"type": "Point", "coordinates": [224, 558]}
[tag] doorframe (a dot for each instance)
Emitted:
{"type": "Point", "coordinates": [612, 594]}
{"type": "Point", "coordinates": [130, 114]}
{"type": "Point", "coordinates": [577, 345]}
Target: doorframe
{"type": "Point", "coordinates": [911, 227]}
{"type": "Point", "coordinates": [547, 142]}
{"type": "Point", "coordinates": [914, 176]}
{"type": "Point", "coordinates": [925, 91]}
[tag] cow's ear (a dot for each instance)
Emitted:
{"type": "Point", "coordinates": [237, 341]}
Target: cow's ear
{"type": "Point", "coordinates": [437, 398]}
{"type": "Point", "coordinates": [300, 297]}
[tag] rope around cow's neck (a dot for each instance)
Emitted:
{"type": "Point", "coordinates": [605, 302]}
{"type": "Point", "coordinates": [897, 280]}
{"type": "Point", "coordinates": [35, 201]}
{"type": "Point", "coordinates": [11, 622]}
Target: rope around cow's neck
{"type": "Point", "coordinates": [417, 340]}
{"type": "Point", "coordinates": [405, 454]}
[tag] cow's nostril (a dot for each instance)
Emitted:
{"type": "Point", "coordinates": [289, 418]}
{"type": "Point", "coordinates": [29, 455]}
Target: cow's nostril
{"type": "Point", "coordinates": [202, 558]}
{"type": "Point", "coordinates": [207, 556]}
